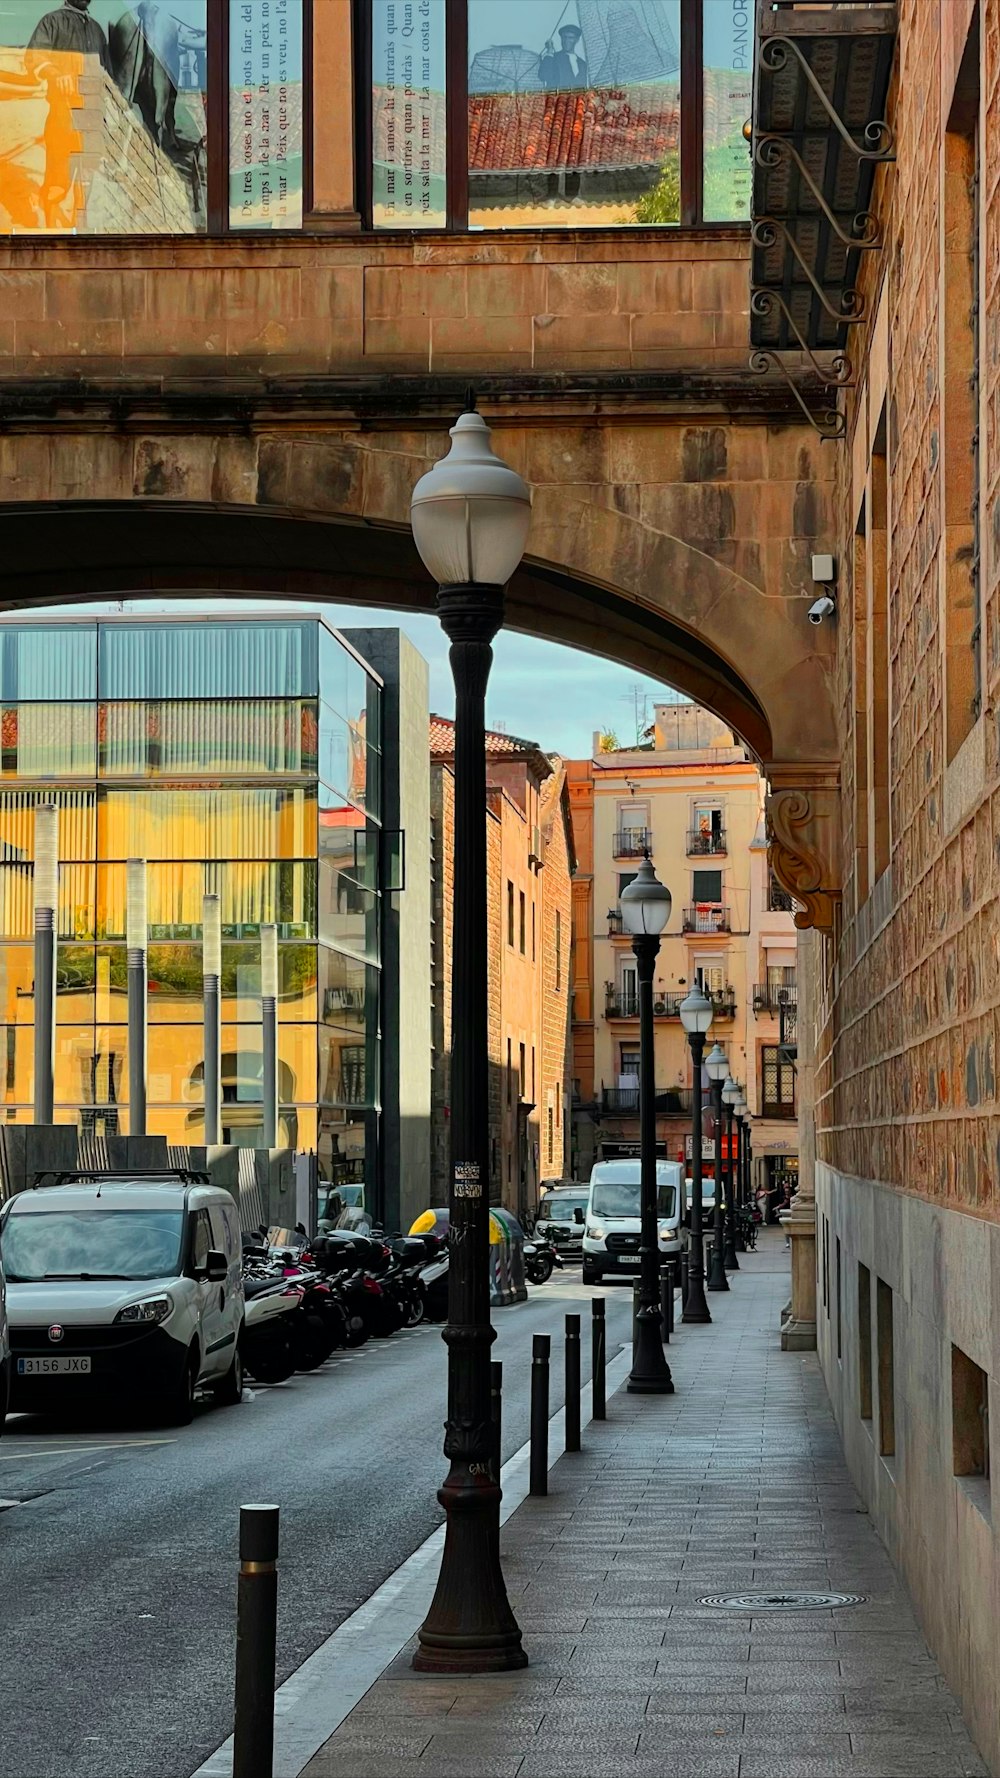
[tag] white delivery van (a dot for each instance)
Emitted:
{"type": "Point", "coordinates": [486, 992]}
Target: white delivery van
{"type": "Point", "coordinates": [123, 1290]}
{"type": "Point", "coordinates": [612, 1225]}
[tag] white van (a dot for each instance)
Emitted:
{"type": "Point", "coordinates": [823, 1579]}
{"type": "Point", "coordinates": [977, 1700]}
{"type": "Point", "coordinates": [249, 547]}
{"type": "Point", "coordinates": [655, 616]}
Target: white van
{"type": "Point", "coordinates": [612, 1226]}
{"type": "Point", "coordinates": [127, 1290]}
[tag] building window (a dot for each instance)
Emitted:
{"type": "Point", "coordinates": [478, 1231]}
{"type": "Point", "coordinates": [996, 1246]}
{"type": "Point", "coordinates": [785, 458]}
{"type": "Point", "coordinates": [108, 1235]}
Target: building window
{"type": "Point", "coordinates": [606, 115]}
{"type": "Point", "coordinates": [777, 1083]}
{"type": "Point", "coordinates": [960, 201]}
{"type": "Point", "coordinates": [521, 924]}
{"type": "Point", "coordinates": [533, 1074]}
{"type": "Point", "coordinates": [707, 834]}
{"type": "Point", "coordinates": [864, 1342]}
{"type": "Point", "coordinates": [706, 886]}
{"type": "Point", "coordinates": [558, 950]}
{"type": "Point", "coordinates": [970, 1416]}
{"type": "Point", "coordinates": [886, 1372]}
{"type": "Point", "coordinates": [840, 1328]}
{"type": "Point", "coordinates": [558, 1103]}
{"type": "Point", "coordinates": [550, 1133]}
{"type": "Point", "coordinates": [625, 877]}
{"type": "Point", "coordinates": [533, 932]}
{"type": "Point", "coordinates": [192, 116]}
{"type": "Point", "coordinates": [522, 1070]}
{"type": "Point", "coordinates": [510, 1072]}
{"type": "Point", "coordinates": [510, 913]}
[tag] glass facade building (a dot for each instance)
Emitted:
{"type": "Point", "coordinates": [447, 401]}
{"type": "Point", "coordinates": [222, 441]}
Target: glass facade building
{"type": "Point", "coordinates": [239, 757]}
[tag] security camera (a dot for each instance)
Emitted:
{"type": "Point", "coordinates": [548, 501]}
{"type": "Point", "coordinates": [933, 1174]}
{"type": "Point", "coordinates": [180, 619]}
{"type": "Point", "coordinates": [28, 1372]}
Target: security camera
{"type": "Point", "coordinates": [824, 607]}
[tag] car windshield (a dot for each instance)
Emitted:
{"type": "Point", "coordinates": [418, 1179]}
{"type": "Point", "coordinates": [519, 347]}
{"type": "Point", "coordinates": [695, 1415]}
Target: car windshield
{"type": "Point", "coordinates": [621, 1198]}
{"type": "Point", "coordinates": [92, 1244]}
{"type": "Point", "coordinates": [553, 1209]}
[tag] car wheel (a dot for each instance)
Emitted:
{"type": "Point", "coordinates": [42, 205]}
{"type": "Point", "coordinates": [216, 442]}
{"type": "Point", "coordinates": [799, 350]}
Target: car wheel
{"type": "Point", "coordinates": [228, 1391]}
{"type": "Point", "coordinates": [180, 1403]}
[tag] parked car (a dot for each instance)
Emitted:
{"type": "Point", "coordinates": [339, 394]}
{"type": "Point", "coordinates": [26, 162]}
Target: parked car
{"type": "Point", "coordinates": [560, 1218]}
{"type": "Point", "coordinates": [4, 1351]}
{"type": "Point", "coordinates": [127, 1290]}
{"type": "Point", "coordinates": [612, 1229]}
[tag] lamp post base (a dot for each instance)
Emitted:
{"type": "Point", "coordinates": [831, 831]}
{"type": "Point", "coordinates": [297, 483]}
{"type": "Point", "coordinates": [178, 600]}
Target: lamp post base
{"type": "Point", "coordinates": [695, 1307]}
{"type": "Point", "coordinates": [730, 1260]}
{"type": "Point", "coordinates": [650, 1374]}
{"type": "Point", "coordinates": [717, 1279]}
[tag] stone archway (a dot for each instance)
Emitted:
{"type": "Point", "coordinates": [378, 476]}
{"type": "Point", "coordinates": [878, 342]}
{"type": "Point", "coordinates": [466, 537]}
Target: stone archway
{"type": "Point", "coordinates": [701, 581]}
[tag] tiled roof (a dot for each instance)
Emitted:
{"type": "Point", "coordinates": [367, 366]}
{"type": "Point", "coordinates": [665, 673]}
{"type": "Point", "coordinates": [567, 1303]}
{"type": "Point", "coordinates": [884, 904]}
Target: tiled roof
{"type": "Point", "coordinates": [634, 126]}
{"type": "Point", "coordinates": [443, 739]}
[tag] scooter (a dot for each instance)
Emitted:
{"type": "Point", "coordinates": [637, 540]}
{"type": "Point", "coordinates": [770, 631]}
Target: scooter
{"type": "Point", "coordinates": [540, 1258]}
{"type": "Point", "coordinates": [269, 1342]}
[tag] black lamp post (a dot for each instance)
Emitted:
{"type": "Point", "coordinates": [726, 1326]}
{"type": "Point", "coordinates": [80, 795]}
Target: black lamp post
{"type": "Point", "coordinates": [734, 1245]}
{"type": "Point", "coordinates": [717, 1069]}
{"type": "Point", "coordinates": [470, 517]}
{"type": "Point", "coordinates": [645, 906]}
{"type": "Point", "coordinates": [696, 1017]}
{"type": "Point", "coordinates": [731, 1096]}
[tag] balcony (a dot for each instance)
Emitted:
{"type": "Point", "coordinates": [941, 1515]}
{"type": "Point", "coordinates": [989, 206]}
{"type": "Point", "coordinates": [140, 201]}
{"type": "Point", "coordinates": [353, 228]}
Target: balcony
{"type": "Point", "coordinates": [633, 842]}
{"type": "Point", "coordinates": [707, 845]}
{"type": "Point", "coordinates": [668, 1006]}
{"type": "Point", "coordinates": [624, 1101]}
{"type": "Point", "coordinates": [769, 998]}
{"type": "Point", "coordinates": [706, 917]}
{"type": "Point", "coordinates": [778, 899]}
{"type": "Point", "coordinates": [616, 925]}
{"type": "Point", "coordinates": [779, 1108]}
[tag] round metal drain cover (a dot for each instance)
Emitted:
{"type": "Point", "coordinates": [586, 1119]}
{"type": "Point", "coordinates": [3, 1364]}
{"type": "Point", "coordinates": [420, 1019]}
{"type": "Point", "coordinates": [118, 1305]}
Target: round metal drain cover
{"type": "Point", "coordinates": [781, 1601]}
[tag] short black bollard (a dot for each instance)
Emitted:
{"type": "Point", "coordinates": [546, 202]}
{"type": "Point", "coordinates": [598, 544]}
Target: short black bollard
{"type": "Point", "coordinates": [539, 1462]}
{"type": "Point", "coordinates": [496, 1416]}
{"type": "Point", "coordinates": [572, 1382]}
{"type": "Point", "coordinates": [256, 1633]}
{"type": "Point", "coordinates": [598, 1359]}
{"type": "Point", "coordinates": [666, 1301]}
{"type": "Point", "coordinates": [685, 1262]}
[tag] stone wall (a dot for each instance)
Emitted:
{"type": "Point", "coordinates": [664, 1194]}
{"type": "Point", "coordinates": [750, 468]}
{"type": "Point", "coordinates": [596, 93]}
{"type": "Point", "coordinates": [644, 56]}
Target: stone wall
{"type": "Point", "coordinates": [556, 968]}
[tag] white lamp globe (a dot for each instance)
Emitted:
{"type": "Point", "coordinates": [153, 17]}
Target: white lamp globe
{"type": "Point", "coordinates": [470, 513]}
{"type": "Point", "coordinates": [717, 1063]}
{"type": "Point", "coordinates": [645, 903]}
{"type": "Point", "coordinates": [696, 1012]}
{"type": "Point", "coordinates": [730, 1092]}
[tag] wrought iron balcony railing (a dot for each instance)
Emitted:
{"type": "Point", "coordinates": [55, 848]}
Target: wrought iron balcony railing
{"type": "Point", "coordinates": [778, 899]}
{"type": "Point", "coordinates": [706, 917]}
{"type": "Point", "coordinates": [768, 999]}
{"type": "Point", "coordinates": [621, 1005]}
{"type": "Point", "coordinates": [624, 1101]}
{"type": "Point", "coordinates": [706, 845]}
{"type": "Point", "coordinates": [632, 842]}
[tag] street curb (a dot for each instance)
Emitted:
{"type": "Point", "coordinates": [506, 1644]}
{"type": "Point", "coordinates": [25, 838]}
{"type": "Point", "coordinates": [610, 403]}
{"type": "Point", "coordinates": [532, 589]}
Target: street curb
{"type": "Point", "coordinates": [316, 1698]}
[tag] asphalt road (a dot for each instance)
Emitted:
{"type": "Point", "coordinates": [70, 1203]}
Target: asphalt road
{"type": "Point", "coordinates": [118, 1562]}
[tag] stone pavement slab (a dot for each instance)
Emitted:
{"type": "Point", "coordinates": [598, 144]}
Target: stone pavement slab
{"type": "Point", "coordinates": [735, 1483]}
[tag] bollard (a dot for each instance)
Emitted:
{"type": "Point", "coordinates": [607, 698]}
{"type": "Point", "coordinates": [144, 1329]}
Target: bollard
{"type": "Point", "coordinates": [496, 1417]}
{"type": "Point", "coordinates": [685, 1262]}
{"type": "Point", "coordinates": [539, 1461]}
{"type": "Point", "coordinates": [572, 1382]}
{"type": "Point", "coordinates": [598, 1358]}
{"type": "Point", "coordinates": [666, 1301]}
{"type": "Point", "coordinates": [256, 1632]}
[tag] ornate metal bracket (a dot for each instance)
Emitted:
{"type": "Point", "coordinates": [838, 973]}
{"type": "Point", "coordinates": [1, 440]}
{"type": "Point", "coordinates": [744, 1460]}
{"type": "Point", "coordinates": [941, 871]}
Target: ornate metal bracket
{"type": "Point", "coordinates": [878, 136]}
{"type": "Point", "coordinates": [803, 820]}
{"type": "Point", "coordinates": [765, 233]}
{"type": "Point", "coordinates": [831, 424]}
{"type": "Point", "coordinates": [866, 229]}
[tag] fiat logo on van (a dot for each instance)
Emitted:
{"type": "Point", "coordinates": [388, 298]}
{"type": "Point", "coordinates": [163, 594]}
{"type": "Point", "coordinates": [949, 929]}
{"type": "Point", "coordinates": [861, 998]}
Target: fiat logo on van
{"type": "Point", "coordinates": [56, 1333]}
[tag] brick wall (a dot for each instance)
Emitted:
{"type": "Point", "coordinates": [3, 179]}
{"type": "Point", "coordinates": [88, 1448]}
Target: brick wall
{"type": "Point", "coordinates": [557, 899]}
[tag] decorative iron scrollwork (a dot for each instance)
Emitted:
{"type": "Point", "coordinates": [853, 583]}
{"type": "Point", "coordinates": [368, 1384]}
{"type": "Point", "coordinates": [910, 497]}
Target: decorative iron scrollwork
{"type": "Point", "coordinates": [865, 229]}
{"type": "Point", "coordinates": [831, 423]}
{"type": "Point", "coordinates": [879, 140]}
{"type": "Point", "coordinates": [836, 373]}
{"type": "Point", "coordinates": [766, 231]}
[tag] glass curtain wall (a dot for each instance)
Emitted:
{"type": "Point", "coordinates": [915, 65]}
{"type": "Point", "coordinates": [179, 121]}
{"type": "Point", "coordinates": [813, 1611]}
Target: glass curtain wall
{"type": "Point", "coordinates": [160, 716]}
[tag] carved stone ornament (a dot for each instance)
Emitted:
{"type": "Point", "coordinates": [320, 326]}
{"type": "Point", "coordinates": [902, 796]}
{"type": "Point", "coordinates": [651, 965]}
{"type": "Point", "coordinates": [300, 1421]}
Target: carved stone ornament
{"type": "Point", "coordinates": [804, 841]}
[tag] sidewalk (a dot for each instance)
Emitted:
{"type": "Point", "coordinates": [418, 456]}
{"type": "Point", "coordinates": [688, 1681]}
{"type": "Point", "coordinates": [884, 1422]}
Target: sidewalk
{"type": "Point", "coordinates": [736, 1482]}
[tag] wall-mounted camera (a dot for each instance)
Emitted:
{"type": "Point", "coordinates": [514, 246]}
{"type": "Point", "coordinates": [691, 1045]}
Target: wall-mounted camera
{"type": "Point", "coordinates": [823, 608]}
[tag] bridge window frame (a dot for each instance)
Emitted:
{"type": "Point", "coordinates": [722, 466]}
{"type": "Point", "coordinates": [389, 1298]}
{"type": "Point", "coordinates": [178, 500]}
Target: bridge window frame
{"type": "Point", "coordinates": [691, 145]}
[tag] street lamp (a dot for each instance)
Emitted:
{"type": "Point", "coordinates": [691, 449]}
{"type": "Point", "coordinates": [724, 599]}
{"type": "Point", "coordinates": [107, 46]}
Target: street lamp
{"type": "Point", "coordinates": [696, 1017]}
{"type": "Point", "coordinates": [470, 516]}
{"type": "Point", "coordinates": [741, 1152]}
{"type": "Point", "coordinates": [731, 1093]}
{"type": "Point", "coordinates": [717, 1069]}
{"type": "Point", "coordinates": [645, 906]}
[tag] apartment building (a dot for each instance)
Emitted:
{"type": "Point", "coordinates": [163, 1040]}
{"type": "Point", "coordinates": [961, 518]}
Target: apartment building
{"type": "Point", "coordinates": [692, 799]}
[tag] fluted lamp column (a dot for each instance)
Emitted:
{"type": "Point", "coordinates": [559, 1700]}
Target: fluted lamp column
{"type": "Point", "coordinates": [46, 895]}
{"type": "Point", "coordinates": [136, 938]}
{"type": "Point", "coordinates": [470, 516]}
{"type": "Point", "coordinates": [696, 1018]}
{"type": "Point", "coordinates": [645, 906]}
{"type": "Point", "coordinates": [211, 975]}
{"type": "Point", "coordinates": [717, 1069]}
{"type": "Point", "coordinates": [269, 1032]}
{"type": "Point", "coordinates": [731, 1097]}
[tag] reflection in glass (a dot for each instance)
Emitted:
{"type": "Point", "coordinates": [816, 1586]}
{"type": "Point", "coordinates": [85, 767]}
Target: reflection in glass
{"type": "Point", "coordinates": [574, 120]}
{"type": "Point", "coordinates": [17, 914]}
{"type": "Point", "coordinates": [728, 99]}
{"type": "Point", "coordinates": [175, 1064]}
{"type": "Point", "coordinates": [17, 1063]}
{"type": "Point", "coordinates": [250, 822]}
{"type": "Point", "coordinates": [249, 893]}
{"type": "Point", "coordinates": [92, 1065]}
{"type": "Point", "coordinates": [50, 662]}
{"type": "Point", "coordinates": [343, 1067]}
{"type": "Point", "coordinates": [408, 114]}
{"type": "Point", "coordinates": [348, 914]}
{"type": "Point", "coordinates": [342, 989]}
{"type": "Point", "coordinates": [241, 982]}
{"type": "Point", "coordinates": [77, 825]}
{"type": "Point", "coordinates": [76, 984]}
{"type": "Point", "coordinates": [17, 984]}
{"type": "Point", "coordinates": [131, 83]}
{"type": "Point", "coordinates": [47, 740]}
{"type": "Point", "coordinates": [208, 660]}
{"type": "Point", "coordinates": [265, 114]}
{"type": "Point", "coordinates": [164, 737]}
{"type": "Point", "coordinates": [341, 1143]}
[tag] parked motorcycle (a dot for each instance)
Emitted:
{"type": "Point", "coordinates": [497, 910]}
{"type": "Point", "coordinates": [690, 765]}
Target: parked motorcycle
{"type": "Point", "coordinates": [434, 1276]}
{"type": "Point", "coordinates": [540, 1260]}
{"type": "Point", "coordinates": [269, 1342]}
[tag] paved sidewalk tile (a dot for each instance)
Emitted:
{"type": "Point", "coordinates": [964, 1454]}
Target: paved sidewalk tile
{"type": "Point", "coordinates": [734, 1484]}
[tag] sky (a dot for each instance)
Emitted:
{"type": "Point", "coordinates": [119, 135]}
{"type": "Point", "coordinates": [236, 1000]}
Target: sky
{"type": "Point", "coordinates": [539, 690]}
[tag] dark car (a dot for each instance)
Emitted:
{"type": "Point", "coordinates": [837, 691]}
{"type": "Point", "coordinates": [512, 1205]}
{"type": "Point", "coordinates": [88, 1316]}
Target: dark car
{"type": "Point", "coordinates": [561, 1216]}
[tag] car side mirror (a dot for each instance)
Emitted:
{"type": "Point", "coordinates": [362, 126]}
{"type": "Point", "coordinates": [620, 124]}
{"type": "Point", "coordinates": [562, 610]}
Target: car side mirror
{"type": "Point", "coordinates": [216, 1267]}
{"type": "Point", "coordinates": [578, 1216]}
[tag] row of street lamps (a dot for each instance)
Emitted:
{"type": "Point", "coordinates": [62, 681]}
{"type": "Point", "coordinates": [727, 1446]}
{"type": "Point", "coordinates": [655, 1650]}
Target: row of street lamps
{"type": "Point", "coordinates": [470, 516]}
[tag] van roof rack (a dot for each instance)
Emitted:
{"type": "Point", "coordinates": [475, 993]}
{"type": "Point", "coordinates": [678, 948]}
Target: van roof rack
{"type": "Point", "coordinates": [108, 1175]}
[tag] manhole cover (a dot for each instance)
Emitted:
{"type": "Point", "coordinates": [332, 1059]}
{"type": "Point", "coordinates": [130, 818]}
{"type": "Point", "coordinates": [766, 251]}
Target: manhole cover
{"type": "Point", "coordinates": [781, 1601]}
